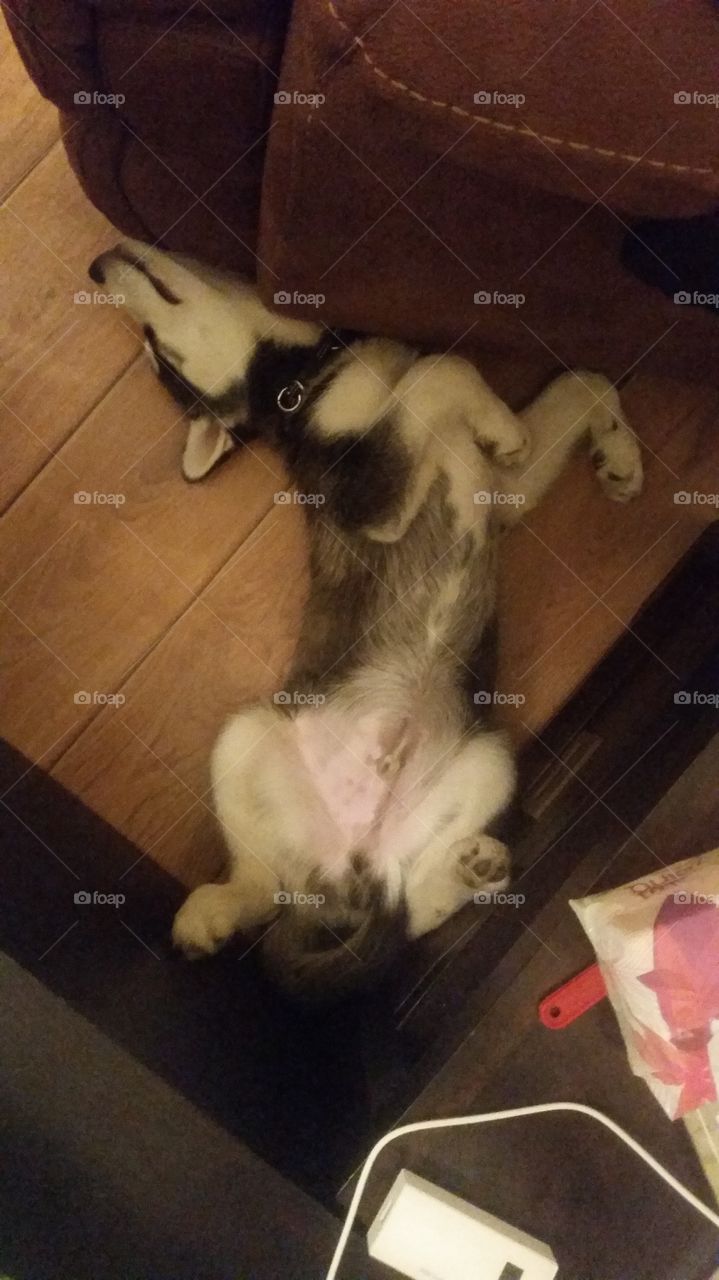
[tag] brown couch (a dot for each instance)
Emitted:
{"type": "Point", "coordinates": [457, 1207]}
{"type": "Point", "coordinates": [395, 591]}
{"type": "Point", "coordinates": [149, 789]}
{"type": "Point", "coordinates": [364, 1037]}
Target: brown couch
{"type": "Point", "coordinates": [422, 165]}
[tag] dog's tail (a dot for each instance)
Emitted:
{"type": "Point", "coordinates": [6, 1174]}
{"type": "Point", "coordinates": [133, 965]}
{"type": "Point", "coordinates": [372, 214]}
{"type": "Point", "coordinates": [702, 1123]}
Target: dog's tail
{"type": "Point", "coordinates": [331, 943]}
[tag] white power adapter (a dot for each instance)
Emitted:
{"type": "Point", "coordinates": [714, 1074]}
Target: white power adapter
{"type": "Point", "coordinates": [404, 1249]}
{"type": "Point", "coordinates": [427, 1233]}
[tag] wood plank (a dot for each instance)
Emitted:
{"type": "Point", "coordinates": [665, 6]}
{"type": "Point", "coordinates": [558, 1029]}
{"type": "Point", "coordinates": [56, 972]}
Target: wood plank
{"type": "Point", "coordinates": [144, 766]}
{"type": "Point", "coordinates": [57, 356]}
{"type": "Point", "coordinates": [28, 124]}
{"type": "Point", "coordinates": [582, 566]}
{"type": "Point", "coordinates": [89, 588]}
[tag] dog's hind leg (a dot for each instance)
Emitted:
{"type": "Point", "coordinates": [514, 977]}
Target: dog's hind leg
{"type": "Point", "coordinates": [471, 869]}
{"type": "Point", "coordinates": [574, 406]}
{"type": "Point", "coordinates": [458, 859]}
{"type": "Point", "coordinates": [214, 912]}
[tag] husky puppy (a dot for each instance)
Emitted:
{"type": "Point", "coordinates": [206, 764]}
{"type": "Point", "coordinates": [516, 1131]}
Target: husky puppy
{"type": "Point", "coordinates": [357, 805]}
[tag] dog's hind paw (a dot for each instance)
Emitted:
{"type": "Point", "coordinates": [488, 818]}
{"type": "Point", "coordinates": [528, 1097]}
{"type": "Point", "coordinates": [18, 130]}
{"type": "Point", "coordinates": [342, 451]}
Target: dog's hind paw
{"type": "Point", "coordinates": [207, 919]}
{"type": "Point", "coordinates": [484, 864]}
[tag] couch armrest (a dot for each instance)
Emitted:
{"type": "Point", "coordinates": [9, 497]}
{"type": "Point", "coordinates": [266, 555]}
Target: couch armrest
{"type": "Point", "coordinates": [55, 41]}
{"type": "Point", "coordinates": [166, 107]}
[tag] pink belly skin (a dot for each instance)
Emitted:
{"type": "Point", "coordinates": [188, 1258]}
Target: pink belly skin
{"type": "Point", "coordinates": [353, 765]}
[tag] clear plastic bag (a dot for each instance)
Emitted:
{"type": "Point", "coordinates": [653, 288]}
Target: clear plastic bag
{"type": "Point", "coordinates": [657, 944]}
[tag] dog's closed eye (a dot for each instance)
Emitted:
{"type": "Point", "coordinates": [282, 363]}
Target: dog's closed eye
{"type": "Point", "coordinates": [166, 355]}
{"type": "Point", "coordinates": [168, 365]}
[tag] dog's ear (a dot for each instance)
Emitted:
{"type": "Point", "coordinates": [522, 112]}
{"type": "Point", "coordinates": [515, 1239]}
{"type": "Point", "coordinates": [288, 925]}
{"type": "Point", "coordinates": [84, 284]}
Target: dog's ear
{"type": "Point", "coordinates": [207, 444]}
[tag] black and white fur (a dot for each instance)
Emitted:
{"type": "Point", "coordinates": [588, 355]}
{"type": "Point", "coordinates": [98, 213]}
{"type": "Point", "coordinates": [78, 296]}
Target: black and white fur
{"type": "Point", "coordinates": [373, 785]}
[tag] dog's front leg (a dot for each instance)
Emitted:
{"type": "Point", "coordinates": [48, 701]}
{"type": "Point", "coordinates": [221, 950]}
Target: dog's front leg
{"type": "Point", "coordinates": [441, 401]}
{"type": "Point", "coordinates": [446, 390]}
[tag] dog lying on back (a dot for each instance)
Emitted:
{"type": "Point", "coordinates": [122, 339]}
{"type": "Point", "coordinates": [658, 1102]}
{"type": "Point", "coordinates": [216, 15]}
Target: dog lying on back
{"type": "Point", "coordinates": [357, 809]}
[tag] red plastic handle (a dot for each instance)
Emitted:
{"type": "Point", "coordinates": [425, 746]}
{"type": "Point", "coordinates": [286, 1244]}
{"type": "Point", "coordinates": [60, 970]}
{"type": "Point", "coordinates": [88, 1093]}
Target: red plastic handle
{"type": "Point", "coordinates": [573, 998]}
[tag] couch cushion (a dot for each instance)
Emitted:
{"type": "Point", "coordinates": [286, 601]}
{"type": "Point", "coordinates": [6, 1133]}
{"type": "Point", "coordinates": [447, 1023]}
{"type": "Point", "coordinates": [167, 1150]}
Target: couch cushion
{"type": "Point", "coordinates": [408, 220]}
{"type": "Point", "coordinates": [576, 98]}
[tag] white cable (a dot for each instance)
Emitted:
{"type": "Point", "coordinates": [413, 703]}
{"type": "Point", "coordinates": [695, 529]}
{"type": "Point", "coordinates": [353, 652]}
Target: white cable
{"type": "Point", "coordinates": [513, 1114]}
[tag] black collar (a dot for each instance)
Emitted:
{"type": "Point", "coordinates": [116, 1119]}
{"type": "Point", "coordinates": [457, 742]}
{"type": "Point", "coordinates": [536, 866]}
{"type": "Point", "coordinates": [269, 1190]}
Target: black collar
{"type": "Point", "coordinates": [293, 394]}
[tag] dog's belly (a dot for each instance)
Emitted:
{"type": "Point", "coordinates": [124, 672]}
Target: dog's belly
{"type": "Point", "coordinates": [361, 776]}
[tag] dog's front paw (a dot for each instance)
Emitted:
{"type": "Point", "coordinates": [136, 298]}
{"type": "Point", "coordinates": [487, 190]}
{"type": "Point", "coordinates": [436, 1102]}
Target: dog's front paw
{"type": "Point", "coordinates": [207, 919]}
{"type": "Point", "coordinates": [515, 451]}
{"type": "Point", "coordinates": [617, 460]}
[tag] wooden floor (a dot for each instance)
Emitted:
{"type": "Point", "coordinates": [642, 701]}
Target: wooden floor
{"type": "Point", "coordinates": [184, 600]}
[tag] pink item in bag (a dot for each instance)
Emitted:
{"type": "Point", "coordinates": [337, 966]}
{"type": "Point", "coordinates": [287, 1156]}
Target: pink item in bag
{"type": "Point", "coordinates": [657, 943]}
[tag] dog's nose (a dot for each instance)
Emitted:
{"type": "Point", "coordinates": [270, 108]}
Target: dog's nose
{"type": "Point", "coordinates": [96, 270]}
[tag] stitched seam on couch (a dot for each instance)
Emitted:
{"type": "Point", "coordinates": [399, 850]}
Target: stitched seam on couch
{"type": "Point", "coordinates": [519, 130]}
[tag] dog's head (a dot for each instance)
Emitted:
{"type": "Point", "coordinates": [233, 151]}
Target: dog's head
{"type": "Point", "coordinates": [203, 331]}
